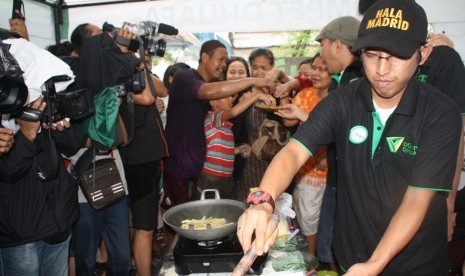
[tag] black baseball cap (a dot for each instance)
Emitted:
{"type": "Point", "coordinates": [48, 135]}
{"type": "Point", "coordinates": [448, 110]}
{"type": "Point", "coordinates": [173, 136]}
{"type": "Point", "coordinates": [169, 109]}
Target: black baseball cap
{"type": "Point", "coordinates": [397, 26]}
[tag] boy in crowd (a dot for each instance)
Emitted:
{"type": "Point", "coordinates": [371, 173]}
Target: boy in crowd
{"type": "Point", "coordinates": [219, 162]}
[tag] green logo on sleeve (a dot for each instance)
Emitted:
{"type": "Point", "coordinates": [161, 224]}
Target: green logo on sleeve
{"type": "Point", "coordinates": [394, 143]}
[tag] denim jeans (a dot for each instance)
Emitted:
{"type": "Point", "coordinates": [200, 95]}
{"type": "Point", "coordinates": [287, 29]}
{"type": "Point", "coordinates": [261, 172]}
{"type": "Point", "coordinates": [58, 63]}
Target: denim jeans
{"type": "Point", "coordinates": [34, 259]}
{"type": "Point", "coordinates": [111, 225]}
{"type": "Point", "coordinates": [326, 226]}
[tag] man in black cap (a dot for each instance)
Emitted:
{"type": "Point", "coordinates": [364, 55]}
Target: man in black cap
{"type": "Point", "coordinates": [445, 70]}
{"type": "Point", "coordinates": [397, 141]}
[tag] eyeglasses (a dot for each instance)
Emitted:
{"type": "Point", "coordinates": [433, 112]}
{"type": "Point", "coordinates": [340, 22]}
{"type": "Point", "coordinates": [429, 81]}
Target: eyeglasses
{"type": "Point", "coordinates": [373, 58]}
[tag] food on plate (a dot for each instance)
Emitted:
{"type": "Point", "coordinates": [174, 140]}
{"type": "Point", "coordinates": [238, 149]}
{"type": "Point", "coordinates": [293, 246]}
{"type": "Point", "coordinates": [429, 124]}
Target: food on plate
{"type": "Point", "coordinates": [202, 224]}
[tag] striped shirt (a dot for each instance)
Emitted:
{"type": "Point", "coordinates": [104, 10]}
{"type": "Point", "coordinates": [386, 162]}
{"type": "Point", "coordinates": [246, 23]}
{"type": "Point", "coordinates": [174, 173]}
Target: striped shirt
{"type": "Point", "coordinates": [220, 145]}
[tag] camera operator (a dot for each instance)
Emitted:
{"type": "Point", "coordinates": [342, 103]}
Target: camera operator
{"type": "Point", "coordinates": [37, 216]}
{"type": "Point", "coordinates": [142, 166]}
{"type": "Point", "coordinates": [38, 204]}
{"type": "Point", "coordinates": [102, 62]}
{"type": "Point", "coordinates": [109, 224]}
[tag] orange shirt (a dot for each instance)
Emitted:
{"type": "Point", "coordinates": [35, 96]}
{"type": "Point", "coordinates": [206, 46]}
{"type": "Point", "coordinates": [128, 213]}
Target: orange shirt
{"type": "Point", "coordinates": [306, 100]}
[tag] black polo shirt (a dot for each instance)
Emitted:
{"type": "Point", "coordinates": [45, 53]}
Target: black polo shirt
{"type": "Point", "coordinates": [351, 73]}
{"type": "Point", "coordinates": [444, 69]}
{"type": "Point", "coordinates": [417, 147]}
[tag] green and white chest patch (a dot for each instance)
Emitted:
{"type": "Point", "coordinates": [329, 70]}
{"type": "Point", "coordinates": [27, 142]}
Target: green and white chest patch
{"type": "Point", "coordinates": [358, 134]}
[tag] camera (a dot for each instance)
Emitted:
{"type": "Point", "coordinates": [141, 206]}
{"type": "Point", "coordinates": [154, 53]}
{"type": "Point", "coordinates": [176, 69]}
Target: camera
{"type": "Point", "coordinates": [13, 94]}
{"type": "Point", "coordinates": [135, 84]}
{"type": "Point", "coordinates": [148, 33]}
{"type": "Point", "coordinates": [73, 104]}
{"type": "Point", "coordinates": [132, 44]}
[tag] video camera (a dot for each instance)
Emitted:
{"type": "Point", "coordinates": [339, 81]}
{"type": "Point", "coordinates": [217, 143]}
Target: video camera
{"type": "Point", "coordinates": [148, 33]}
{"type": "Point", "coordinates": [134, 84]}
{"type": "Point", "coordinates": [75, 105]}
{"type": "Point", "coordinates": [13, 95]}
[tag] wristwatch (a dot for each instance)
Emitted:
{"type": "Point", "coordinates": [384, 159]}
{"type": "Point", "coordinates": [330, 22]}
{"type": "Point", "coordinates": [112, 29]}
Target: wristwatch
{"type": "Point", "coordinates": [259, 197]}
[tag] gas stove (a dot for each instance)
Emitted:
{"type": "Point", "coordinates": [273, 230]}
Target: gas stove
{"type": "Point", "coordinates": [191, 256]}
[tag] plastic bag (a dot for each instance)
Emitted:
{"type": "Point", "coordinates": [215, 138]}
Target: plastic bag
{"type": "Point", "coordinates": [284, 210]}
{"type": "Point", "coordinates": [284, 205]}
{"type": "Point", "coordinates": [13, 90]}
{"type": "Point", "coordinates": [291, 261]}
{"type": "Point", "coordinates": [282, 243]}
{"type": "Point", "coordinates": [9, 67]}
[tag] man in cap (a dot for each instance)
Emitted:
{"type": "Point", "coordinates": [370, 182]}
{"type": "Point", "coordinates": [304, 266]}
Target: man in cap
{"type": "Point", "coordinates": [336, 39]}
{"type": "Point", "coordinates": [397, 141]}
{"type": "Point", "coordinates": [445, 70]}
{"type": "Point", "coordinates": [189, 93]}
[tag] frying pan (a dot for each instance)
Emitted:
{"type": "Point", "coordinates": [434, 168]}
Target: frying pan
{"type": "Point", "coordinates": [228, 209]}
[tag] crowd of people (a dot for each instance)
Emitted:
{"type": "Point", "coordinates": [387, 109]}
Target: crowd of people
{"type": "Point", "coordinates": [373, 163]}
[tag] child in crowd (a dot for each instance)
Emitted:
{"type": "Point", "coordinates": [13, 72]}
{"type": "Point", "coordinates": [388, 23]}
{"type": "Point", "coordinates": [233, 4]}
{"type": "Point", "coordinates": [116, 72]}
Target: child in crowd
{"type": "Point", "coordinates": [219, 162]}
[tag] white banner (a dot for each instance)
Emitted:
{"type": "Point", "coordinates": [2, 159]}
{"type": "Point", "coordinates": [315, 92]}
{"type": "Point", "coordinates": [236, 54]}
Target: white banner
{"type": "Point", "coordinates": [220, 15]}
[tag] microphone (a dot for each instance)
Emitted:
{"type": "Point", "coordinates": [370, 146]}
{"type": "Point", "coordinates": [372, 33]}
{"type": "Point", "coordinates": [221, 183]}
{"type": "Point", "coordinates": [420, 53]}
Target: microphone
{"type": "Point", "coordinates": [167, 29]}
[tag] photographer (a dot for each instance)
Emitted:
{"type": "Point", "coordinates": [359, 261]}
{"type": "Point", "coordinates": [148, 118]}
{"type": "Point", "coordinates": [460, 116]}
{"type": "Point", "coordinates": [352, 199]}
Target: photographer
{"type": "Point", "coordinates": [109, 224]}
{"type": "Point", "coordinates": [142, 166]}
{"type": "Point", "coordinates": [38, 205]}
{"type": "Point", "coordinates": [104, 63]}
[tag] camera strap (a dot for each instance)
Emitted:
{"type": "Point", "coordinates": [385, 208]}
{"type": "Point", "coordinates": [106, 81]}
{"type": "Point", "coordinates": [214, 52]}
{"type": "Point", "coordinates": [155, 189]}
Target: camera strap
{"type": "Point", "coordinates": [130, 110]}
{"type": "Point", "coordinates": [152, 89]}
{"type": "Point", "coordinates": [48, 170]}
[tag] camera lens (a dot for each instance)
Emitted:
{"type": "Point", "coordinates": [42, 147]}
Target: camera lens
{"type": "Point", "coordinates": [161, 47]}
{"type": "Point", "coordinates": [13, 95]}
{"type": "Point", "coordinates": [157, 47]}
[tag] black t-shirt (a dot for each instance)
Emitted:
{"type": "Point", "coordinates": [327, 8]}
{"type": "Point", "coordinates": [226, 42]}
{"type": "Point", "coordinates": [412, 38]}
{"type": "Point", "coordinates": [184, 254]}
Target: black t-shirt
{"type": "Point", "coordinates": [376, 165]}
{"type": "Point", "coordinates": [148, 143]}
